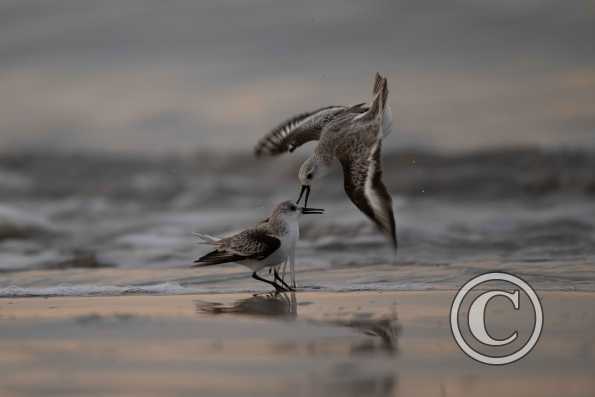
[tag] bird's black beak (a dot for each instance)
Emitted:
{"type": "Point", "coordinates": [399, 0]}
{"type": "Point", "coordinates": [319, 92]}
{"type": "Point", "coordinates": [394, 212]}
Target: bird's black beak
{"type": "Point", "coordinates": [306, 189]}
{"type": "Point", "coordinates": [306, 210]}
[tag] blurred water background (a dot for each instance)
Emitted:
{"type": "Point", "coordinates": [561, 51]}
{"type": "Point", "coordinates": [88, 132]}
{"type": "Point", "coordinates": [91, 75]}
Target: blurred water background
{"type": "Point", "coordinates": [126, 126]}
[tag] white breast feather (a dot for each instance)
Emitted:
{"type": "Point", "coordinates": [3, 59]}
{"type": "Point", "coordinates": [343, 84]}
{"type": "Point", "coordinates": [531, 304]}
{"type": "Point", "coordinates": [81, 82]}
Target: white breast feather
{"type": "Point", "coordinates": [371, 195]}
{"type": "Point", "coordinates": [387, 121]}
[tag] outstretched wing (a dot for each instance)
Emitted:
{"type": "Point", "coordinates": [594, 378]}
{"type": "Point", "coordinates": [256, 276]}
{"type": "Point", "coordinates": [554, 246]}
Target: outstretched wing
{"type": "Point", "coordinates": [249, 244]}
{"type": "Point", "coordinates": [362, 172]}
{"type": "Point", "coordinates": [296, 131]}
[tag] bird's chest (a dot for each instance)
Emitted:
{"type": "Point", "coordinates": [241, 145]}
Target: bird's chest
{"type": "Point", "coordinates": [288, 238]}
{"type": "Point", "coordinates": [291, 236]}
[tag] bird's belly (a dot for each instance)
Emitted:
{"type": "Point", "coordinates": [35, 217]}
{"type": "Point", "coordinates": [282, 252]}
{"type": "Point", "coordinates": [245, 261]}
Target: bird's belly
{"type": "Point", "coordinates": [276, 258]}
{"type": "Point", "coordinates": [288, 242]}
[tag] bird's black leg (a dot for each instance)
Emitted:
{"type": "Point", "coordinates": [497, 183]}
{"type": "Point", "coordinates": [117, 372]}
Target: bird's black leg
{"type": "Point", "coordinates": [277, 278]}
{"type": "Point", "coordinates": [278, 288]}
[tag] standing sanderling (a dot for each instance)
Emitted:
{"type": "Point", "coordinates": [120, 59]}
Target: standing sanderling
{"type": "Point", "coordinates": [268, 244]}
{"type": "Point", "coordinates": [353, 135]}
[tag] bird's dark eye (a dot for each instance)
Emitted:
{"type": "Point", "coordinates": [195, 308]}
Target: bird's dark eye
{"type": "Point", "coordinates": [293, 208]}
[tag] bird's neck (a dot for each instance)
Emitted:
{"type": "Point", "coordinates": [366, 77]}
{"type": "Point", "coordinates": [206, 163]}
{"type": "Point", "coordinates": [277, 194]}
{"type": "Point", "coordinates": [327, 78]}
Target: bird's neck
{"type": "Point", "coordinates": [279, 226]}
{"type": "Point", "coordinates": [323, 159]}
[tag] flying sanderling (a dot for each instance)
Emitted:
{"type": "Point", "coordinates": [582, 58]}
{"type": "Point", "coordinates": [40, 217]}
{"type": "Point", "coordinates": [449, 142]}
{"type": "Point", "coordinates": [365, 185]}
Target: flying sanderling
{"type": "Point", "coordinates": [268, 244]}
{"type": "Point", "coordinates": [353, 135]}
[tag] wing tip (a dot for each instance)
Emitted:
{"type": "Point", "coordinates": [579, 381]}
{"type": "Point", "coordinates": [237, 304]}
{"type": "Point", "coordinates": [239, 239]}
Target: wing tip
{"type": "Point", "coordinates": [201, 262]}
{"type": "Point", "coordinates": [395, 242]}
{"type": "Point", "coordinates": [265, 148]}
{"type": "Point", "coordinates": [258, 151]}
{"type": "Point", "coordinates": [377, 83]}
{"type": "Point", "coordinates": [379, 99]}
{"type": "Point", "coordinates": [390, 232]}
{"type": "Point", "coordinates": [198, 263]}
{"type": "Point", "coordinates": [276, 142]}
{"type": "Point", "coordinates": [215, 257]}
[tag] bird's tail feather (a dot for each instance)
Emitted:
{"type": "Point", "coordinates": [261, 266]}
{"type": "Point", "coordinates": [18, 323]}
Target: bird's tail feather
{"type": "Point", "coordinates": [207, 239]}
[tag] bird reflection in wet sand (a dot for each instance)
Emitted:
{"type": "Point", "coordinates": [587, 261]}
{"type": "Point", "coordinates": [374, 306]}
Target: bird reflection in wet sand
{"type": "Point", "coordinates": [347, 375]}
{"type": "Point", "coordinates": [267, 305]}
{"type": "Point", "coordinates": [385, 329]}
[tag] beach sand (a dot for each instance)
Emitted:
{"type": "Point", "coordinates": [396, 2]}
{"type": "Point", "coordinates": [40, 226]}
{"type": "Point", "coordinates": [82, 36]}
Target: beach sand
{"type": "Point", "coordinates": [300, 344]}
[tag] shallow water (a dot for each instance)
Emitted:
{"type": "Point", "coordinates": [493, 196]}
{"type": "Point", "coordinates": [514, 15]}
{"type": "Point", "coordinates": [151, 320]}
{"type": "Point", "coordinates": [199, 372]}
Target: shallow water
{"type": "Point", "coordinates": [104, 225]}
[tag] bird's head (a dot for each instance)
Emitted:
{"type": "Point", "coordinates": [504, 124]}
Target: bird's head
{"type": "Point", "coordinates": [288, 209]}
{"type": "Point", "coordinates": [311, 170]}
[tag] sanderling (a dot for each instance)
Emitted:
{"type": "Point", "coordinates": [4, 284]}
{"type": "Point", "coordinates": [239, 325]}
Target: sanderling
{"type": "Point", "coordinates": [268, 244]}
{"type": "Point", "coordinates": [353, 135]}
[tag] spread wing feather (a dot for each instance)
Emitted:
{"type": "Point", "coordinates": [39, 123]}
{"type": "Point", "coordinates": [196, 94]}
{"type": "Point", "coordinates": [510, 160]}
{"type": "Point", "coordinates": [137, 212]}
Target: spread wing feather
{"type": "Point", "coordinates": [298, 130]}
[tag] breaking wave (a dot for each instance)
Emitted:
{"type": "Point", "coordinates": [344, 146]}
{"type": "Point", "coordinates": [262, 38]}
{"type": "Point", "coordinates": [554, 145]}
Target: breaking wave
{"type": "Point", "coordinates": [93, 290]}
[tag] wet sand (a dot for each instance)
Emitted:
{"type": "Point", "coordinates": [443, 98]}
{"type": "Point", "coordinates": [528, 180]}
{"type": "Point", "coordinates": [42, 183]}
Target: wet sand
{"type": "Point", "coordinates": [303, 344]}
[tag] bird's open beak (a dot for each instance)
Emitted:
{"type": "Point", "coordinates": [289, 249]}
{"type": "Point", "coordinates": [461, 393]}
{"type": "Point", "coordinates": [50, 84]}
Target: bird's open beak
{"type": "Point", "coordinates": [306, 189]}
{"type": "Point", "coordinates": [312, 210]}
